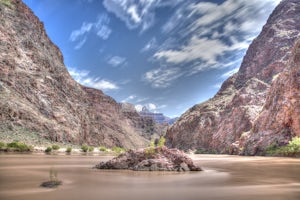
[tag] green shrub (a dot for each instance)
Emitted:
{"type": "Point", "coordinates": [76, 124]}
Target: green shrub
{"type": "Point", "coordinates": [204, 151]}
{"type": "Point", "coordinates": [69, 149]}
{"type": "Point", "coordinates": [294, 144]}
{"type": "Point", "coordinates": [48, 149]}
{"type": "Point", "coordinates": [151, 149]}
{"type": "Point", "coordinates": [118, 149]}
{"type": "Point", "coordinates": [271, 149]}
{"type": "Point", "coordinates": [291, 149]}
{"type": "Point", "coordinates": [2, 145]}
{"type": "Point", "coordinates": [19, 146]}
{"type": "Point", "coordinates": [161, 142]}
{"type": "Point", "coordinates": [84, 148]}
{"type": "Point", "coordinates": [102, 148]}
{"type": "Point", "coordinates": [55, 147]}
{"type": "Point", "coordinates": [200, 151]}
{"type": "Point", "coordinates": [90, 148]}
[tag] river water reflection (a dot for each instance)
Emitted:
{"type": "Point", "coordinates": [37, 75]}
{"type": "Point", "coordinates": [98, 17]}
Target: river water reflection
{"type": "Point", "coordinates": [224, 177]}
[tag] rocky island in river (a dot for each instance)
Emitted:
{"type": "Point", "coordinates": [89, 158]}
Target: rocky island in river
{"type": "Point", "coordinates": [151, 159]}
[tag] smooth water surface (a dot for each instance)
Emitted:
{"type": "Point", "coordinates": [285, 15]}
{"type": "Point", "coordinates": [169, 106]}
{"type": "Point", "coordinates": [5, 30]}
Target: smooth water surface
{"type": "Point", "coordinates": [224, 177]}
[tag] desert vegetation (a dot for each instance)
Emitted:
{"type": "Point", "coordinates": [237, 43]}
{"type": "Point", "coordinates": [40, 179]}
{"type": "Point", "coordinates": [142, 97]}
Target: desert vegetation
{"type": "Point", "coordinates": [15, 146]}
{"type": "Point", "coordinates": [48, 149]}
{"type": "Point", "coordinates": [55, 147]}
{"type": "Point", "coordinates": [291, 149]}
{"type": "Point", "coordinates": [153, 144]}
{"type": "Point", "coordinates": [69, 149]}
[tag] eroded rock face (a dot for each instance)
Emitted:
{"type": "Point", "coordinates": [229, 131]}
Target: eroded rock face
{"type": "Point", "coordinates": [37, 94]}
{"type": "Point", "coordinates": [279, 120]}
{"type": "Point", "coordinates": [224, 122]}
{"type": "Point", "coordinates": [162, 159]}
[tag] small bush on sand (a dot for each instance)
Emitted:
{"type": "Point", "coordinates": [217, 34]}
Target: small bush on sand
{"type": "Point", "coordinates": [55, 147]}
{"type": "Point", "coordinates": [90, 149]}
{"type": "Point", "coordinates": [102, 148]}
{"type": "Point", "coordinates": [2, 145]}
{"type": "Point", "coordinates": [69, 149]}
{"type": "Point", "coordinates": [84, 148]}
{"type": "Point", "coordinates": [18, 146]}
{"type": "Point", "coordinates": [48, 150]}
{"type": "Point", "coordinates": [118, 149]}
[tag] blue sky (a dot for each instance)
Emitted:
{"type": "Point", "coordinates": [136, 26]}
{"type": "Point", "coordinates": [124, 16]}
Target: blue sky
{"type": "Point", "coordinates": [164, 54]}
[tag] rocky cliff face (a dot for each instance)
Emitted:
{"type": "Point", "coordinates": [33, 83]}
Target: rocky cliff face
{"type": "Point", "coordinates": [279, 120]}
{"type": "Point", "coordinates": [227, 121]}
{"type": "Point", "coordinates": [38, 96]}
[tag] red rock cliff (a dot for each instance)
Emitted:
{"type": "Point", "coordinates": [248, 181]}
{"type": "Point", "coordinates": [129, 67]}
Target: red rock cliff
{"type": "Point", "coordinates": [38, 95]}
{"type": "Point", "coordinates": [224, 122]}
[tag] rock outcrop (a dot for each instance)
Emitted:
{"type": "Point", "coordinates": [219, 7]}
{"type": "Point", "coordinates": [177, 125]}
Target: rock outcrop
{"type": "Point", "coordinates": [279, 120]}
{"type": "Point", "coordinates": [225, 122]}
{"type": "Point", "coordinates": [38, 95]}
{"type": "Point", "coordinates": [157, 159]}
{"type": "Point", "coordinates": [157, 117]}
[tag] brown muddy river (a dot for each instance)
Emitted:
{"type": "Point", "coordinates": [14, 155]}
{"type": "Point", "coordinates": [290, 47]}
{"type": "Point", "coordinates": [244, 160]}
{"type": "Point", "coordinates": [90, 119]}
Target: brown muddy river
{"type": "Point", "coordinates": [224, 177]}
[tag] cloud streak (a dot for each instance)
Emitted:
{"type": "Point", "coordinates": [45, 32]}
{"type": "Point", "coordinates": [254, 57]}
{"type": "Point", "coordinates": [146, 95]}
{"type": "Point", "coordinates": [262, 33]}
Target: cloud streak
{"type": "Point", "coordinates": [203, 35]}
{"type": "Point", "coordinates": [83, 77]}
{"type": "Point", "coordinates": [162, 77]}
{"type": "Point", "coordinates": [136, 13]}
{"type": "Point", "coordinates": [150, 106]}
{"type": "Point", "coordinates": [116, 61]}
{"type": "Point", "coordinates": [151, 45]}
{"type": "Point", "coordinates": [100, 28]}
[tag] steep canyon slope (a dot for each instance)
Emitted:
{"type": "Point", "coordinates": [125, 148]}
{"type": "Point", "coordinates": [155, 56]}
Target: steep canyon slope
{"type": "Point", "coordinates": [258, 105]}
{"type": "Point", "coordinates": [38, 95]}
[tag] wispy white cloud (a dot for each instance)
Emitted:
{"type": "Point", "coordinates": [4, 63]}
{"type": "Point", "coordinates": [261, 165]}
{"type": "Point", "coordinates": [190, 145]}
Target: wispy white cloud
{"type": "Point", "coordinates": [197, 48]}
{"type": "Point", "coordinates": [80, 44]}
{"type": "Point", "coordinates": [179, 17]}
{"type": "Point", "coordinates": [129, 98]}
{"type": "Point", "coordinates": [142, 100]}
{"type": "Point", "coordinates": [162, 77]}
{"type": "Point", "coordinates": [83, 77]}
{"type": "Point", "coordinates": [152, 107]}
{"type": "Point", "coordinates": [136, 13]}
{"type": "Point", "coordinates": [100, 27]}
{"type": "Point", "coordinates": [202, 35]}
{"type": "Point", "coordinates": [104, 32]}
{"type": "Point", "coordinates": [85, 28]}
{"type": "Point", "coordinates": [229, 73]}
{"type": "Point", "coordinates": [116, 61]}
{"type": "Point", "coordinates": [217, 86]}
{"type": "Point", "coordinates": [151, 44]}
